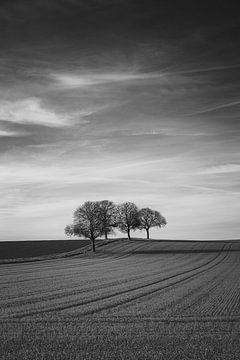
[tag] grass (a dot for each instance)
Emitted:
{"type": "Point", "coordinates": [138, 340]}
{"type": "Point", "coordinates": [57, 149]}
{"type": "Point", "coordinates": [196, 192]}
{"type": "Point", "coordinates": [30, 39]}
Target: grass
{"type": "Point", "coordinates": [131, 300]}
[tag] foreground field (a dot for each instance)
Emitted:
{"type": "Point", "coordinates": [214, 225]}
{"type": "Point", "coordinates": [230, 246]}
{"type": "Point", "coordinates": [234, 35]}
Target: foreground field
{"type": "Point", "coordinates": [132, 300]}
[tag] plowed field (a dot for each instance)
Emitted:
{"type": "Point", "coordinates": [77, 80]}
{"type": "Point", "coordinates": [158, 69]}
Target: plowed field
{"type": "Point", "coordinates": [132, 300]}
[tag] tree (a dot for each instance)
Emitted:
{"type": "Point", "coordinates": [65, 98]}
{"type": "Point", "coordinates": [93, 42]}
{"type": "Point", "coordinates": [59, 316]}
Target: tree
{"type": "Point", "coordinates": [87, 222]}
{"type": "Point", "coordinates": [127, 217]}
{"type": "Point", "coordinates": [150, 218]}
{"type": "Point", "coordinates": [108, 216]}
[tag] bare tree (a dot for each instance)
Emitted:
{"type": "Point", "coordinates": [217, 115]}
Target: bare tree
{"type": "Point", "coordinates": [87, 222]}
{"type": "Point", "coordinates": [127, 217]}
{"type": "Point", "coordinates": [108, 216]}
{"type": "Point", "coordinates": [150, 218]}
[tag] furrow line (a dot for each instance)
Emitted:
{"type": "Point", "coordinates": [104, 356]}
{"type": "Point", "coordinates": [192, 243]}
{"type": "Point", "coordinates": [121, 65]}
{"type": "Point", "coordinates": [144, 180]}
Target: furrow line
{"type": "Point", "coordinates": [124, 292]}
{"type": "Point", "coordinates": [123, 302]}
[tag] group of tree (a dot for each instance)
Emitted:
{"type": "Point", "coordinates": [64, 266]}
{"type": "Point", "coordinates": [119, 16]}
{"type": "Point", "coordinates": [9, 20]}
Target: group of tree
{"type": "Point", "coordinates": [95, 219]}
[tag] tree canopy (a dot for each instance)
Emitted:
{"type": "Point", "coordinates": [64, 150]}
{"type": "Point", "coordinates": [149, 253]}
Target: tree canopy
{"type": "Point", "coordinates": [95, 219]}
{"type": "Point", "coordinates": [87, 222]}
{"type": "Point", "coordinates": [149, 218]}
{"type": "Point", "coordinates": [128, 217]}
{"type": "Point", "coordinates": [108, 216]}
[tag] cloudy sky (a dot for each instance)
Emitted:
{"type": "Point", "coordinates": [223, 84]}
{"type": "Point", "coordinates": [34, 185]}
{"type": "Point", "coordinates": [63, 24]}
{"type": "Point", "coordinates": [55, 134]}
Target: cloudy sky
{"type": "Point", "coordinates": [121, 100]}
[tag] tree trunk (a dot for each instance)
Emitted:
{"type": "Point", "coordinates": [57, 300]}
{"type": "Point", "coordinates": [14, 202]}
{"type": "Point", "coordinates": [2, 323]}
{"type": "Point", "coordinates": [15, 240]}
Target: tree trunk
{"type": "Point", "coordinates": [129, 236]}
{"type": "Point", "coordinates": [106, 235]}
{"type": "Point", "coordinates": [147, 230]}
{"type": "Point", "coordinates": [93, 245]}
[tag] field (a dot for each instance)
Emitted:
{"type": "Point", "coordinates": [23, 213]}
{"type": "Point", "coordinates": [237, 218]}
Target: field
{"type": "Point", "coordinates": [131, 300]}
{"type": "Point", "coordinates": [19, 251]}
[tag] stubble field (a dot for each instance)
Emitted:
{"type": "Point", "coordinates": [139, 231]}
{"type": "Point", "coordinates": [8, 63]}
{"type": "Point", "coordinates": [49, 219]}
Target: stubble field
{"type": "Point", "coordinates": [131, 300]}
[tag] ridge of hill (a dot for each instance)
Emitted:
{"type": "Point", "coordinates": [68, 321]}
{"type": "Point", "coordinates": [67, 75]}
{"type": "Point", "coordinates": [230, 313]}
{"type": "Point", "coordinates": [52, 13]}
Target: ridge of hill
{"type": "Point", "coordinates": [28, 251]}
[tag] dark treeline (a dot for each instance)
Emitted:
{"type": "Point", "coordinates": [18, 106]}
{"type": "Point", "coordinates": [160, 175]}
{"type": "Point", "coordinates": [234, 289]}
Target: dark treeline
{"type": "Point", "coordinates": [95, 219]}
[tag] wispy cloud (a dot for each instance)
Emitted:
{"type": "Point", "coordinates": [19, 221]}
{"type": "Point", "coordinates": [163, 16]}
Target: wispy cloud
{"type": "Point", "coordinates": [205, 69]}
{"type": "Point", "coordinates": [210, 189]}
{"type": "Point", "coordinates": [33, 111]}
{"type": "Point", "coordinates": [30, 111]}
{"type": "Point", "coordinates": [9, 133]}
{"type": "Point", "coordinates": [169, 132]}
{"type": "Point", "coordinates": [216, 107]}
{"type": "Point", "coordinates": [222, 169]}
{"type": "Point", "coordinates": [84, 80]}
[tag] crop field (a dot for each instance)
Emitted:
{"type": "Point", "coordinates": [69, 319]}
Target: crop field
{"type": "Point", "coordinates": [131, 300]}
{"type": "Point", "coordinates": [19, 251]}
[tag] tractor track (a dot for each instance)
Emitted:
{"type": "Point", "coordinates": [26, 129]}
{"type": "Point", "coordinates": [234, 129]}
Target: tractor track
{"type": "Point", "coordinates": [196, 271]}
{"type": "Point", "coordinates": [136, 297]}
{"type": "Point", "coordinates": [75, 290]}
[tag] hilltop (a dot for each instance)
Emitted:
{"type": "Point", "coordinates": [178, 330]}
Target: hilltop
{"type": "Point", "coordinates": [25, 251]}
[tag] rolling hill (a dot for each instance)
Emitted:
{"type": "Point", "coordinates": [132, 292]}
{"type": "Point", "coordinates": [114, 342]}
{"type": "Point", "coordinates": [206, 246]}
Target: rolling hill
{"type": "Point", "coordinates": [131, 300]}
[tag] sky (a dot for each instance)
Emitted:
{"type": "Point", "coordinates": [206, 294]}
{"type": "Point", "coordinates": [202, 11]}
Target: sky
{"type": "Point", "coordinates": [122, 100]}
